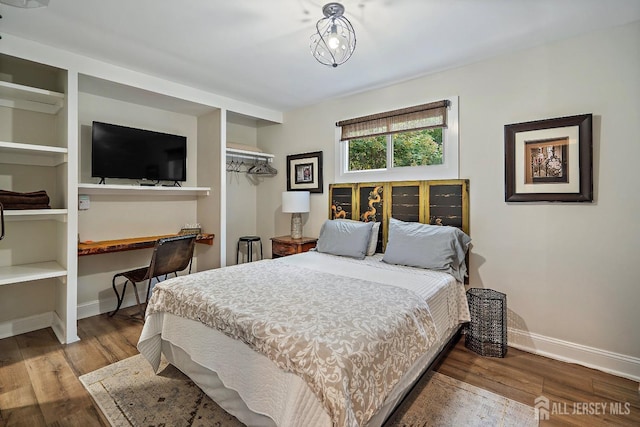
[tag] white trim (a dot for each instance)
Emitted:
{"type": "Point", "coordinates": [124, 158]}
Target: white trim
{"type": "Point", "coordinates": [68, 292]}
{"type": "Point", "coordinates": [107, 305]}
{"type": "Point", "coordinates": [614, 363]}
{"type": "Point", "coordinates": [137, 190]}
{"type": "Point", "coordinates": [64, 335]}
{"type": "Point", "coordinates": [23, 325]}
{"type": "Point", "coordinates": [450, 169]}
{"type": "Point", "coordinates": [223, 188]}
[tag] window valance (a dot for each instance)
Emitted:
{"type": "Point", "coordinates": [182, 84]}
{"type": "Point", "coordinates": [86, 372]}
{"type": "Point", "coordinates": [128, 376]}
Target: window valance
{"type": "Point", "coordinates": [418, 117]}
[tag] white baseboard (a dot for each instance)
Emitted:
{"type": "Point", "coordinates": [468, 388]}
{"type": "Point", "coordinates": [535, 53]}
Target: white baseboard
{"type": "Point", "coordinates": [94, 308]}
{"type": "Point", "coordinates": [58, 327]}
{"type": "Point", "coordinates": [25, 324]}
{"type": "Point", "coordinates": [607, 361]}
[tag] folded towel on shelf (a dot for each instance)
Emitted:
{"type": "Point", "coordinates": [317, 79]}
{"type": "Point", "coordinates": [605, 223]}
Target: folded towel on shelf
{"type": "Point", "coordinates": [33, 200]}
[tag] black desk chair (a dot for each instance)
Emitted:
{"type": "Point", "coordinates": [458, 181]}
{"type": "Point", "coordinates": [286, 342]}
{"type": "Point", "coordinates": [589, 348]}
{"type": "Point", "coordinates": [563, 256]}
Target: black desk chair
{"type": "Point", "coordinates": [170, 255]}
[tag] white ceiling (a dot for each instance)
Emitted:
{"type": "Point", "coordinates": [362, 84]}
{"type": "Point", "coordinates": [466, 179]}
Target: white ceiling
{"type": "Point", "coordinates": [258, 52]}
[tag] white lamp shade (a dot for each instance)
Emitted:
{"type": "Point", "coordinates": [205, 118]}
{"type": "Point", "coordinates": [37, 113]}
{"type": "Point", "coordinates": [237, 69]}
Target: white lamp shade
{"type": "Point", "coordinates": [295, 201]}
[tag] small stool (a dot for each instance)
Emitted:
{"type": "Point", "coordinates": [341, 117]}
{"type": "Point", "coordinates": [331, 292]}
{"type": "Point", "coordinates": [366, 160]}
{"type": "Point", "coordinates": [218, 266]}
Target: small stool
{"type": "Point", "coordinates": [249, 240]}
{"type": "Point", "coordinates": [487, 331]}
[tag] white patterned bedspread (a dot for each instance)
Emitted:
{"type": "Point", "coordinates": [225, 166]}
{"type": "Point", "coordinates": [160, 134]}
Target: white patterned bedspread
{"type": "Point", "coordinates": [350, 329]}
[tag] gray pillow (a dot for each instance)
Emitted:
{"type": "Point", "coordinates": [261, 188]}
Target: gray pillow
{"type": "Point", "coordinates": [373, 239]}
{"type": "Point", "coordinates": [344, 238]}
{"type": "Point", "coordinates": [434, 247]}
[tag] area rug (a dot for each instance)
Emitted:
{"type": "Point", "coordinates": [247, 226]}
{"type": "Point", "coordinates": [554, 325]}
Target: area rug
{"type": "Point", "coordinates": [130, 394]}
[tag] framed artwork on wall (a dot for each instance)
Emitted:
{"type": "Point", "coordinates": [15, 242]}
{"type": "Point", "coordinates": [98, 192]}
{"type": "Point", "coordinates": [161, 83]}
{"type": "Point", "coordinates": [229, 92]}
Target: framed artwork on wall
{"type": "Point", "coordinates": [304, 172]}
{"type": "Point", "coordinates": [549, 160]}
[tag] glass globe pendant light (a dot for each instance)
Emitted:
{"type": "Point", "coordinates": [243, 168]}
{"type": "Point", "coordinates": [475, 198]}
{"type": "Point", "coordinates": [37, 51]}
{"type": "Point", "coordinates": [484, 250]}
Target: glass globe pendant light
{"type": "Point", "coordinates": [26, 4]}
{"type": "Point", "coordinates": [334, 41]}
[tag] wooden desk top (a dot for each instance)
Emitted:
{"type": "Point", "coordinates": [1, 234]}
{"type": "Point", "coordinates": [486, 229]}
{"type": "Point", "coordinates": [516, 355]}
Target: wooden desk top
{"type": "Point", "coordinates": [108, 246]}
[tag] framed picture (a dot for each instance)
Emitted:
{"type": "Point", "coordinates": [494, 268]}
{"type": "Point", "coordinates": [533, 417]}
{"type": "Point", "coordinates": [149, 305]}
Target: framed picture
{"type": "Point", "coordinates": [304, 172]}
{"type": "Point", "coordinates": [549, 160]}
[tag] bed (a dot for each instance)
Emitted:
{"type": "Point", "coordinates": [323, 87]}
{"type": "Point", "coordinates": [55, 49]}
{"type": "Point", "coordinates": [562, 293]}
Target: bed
{"type": "Point", "coordinates": [332, 337]}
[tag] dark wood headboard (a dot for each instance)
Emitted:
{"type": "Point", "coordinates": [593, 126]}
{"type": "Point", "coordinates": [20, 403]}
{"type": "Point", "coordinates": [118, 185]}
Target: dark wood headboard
{"type": "Point", "coordinates": [437, 202]}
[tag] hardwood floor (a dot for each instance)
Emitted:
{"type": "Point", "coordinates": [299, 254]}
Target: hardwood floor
{"type": "Point", "coordinates": [523, 377]}
{"type": "Point", "coordinates": [39, 383]}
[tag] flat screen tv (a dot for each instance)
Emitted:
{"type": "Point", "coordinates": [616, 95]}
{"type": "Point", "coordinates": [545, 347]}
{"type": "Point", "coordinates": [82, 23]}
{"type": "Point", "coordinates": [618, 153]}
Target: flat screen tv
{"type": "Point", "coordinates": [124, 152]}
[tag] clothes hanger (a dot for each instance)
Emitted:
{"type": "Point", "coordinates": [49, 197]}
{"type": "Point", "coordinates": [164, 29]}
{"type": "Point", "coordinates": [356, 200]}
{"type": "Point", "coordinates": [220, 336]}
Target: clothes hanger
{"type": "Point", "coordinates": [262, 168]}
{"type": "Point", "coordinates": [231, 165]}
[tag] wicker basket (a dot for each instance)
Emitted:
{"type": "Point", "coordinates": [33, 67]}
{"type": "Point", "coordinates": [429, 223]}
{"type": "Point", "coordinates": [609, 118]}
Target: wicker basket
{"type": "Point", "coordinates": [487, 331]}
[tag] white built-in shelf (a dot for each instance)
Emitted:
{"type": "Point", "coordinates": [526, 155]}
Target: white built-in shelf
{"type": "Point", "coordinates": [31, 154]}
{"type": "Point", "coordinates": [35, 215]}
{"type": "Point", "coordinates": [248, 154]}
{"type": "Point", "coordinates": [30, 98]}
{"type": "Point", "coordinates": [28, 272]}
{"type": "Point", "coordinates": [134, 190]}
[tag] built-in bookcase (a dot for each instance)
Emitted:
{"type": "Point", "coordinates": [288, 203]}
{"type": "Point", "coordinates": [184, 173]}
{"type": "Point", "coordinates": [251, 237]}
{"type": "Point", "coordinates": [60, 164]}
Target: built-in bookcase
{"type": "Point", "coordinates": [34, 155]}
{"type": "Point", "coordinates": [48, 100]}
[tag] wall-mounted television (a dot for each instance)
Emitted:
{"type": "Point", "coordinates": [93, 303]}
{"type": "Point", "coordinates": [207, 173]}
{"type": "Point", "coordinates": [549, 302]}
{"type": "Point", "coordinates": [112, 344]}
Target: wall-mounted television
{"type": "Point", "coordinates": [125, 152]}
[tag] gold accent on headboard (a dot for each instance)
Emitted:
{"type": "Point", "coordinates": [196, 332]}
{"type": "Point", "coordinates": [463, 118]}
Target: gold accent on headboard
{"type": "Point", "coordinates": [444, 202]}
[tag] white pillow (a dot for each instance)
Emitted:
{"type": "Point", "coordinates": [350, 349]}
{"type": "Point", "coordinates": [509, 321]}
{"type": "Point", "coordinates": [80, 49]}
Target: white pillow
{"type": "Point", "coordinates": [373, 241]}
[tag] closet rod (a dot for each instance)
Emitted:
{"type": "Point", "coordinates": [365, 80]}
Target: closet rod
{"type": "Point", "coordinates": [245, 154]}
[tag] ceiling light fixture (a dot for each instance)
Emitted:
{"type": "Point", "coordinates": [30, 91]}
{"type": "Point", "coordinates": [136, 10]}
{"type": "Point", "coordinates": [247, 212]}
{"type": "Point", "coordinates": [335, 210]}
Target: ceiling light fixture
{"type": "Point", "coordinates": [26, 4]}
{"type": "Point", "coordinates": [334, 41]}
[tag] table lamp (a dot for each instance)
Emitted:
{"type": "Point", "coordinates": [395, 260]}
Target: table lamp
{"type": "Point", "coordinates": [295, 202]}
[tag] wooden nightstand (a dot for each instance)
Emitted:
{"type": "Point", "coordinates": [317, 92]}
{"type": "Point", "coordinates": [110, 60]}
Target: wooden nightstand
{"type": "Point", "coordinates": [285, 245]}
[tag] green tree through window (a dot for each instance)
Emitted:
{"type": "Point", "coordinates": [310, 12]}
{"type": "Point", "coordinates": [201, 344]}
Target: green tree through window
{"type": "Point", "coordinates": [413, 148]}
{"type": "Point", "coordinates": [368, 153]}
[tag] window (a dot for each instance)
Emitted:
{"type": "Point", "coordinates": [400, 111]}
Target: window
{"type": "Point", "coordinates": [418, 142]}
{"type": "Point", "coordinates": [412, 148]}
